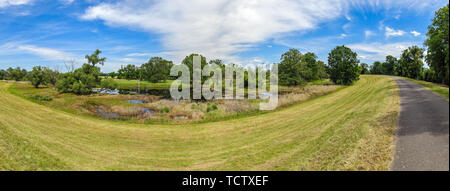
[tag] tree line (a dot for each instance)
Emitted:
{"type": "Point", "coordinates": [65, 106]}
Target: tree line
{"type": "Point", "coordinates": [411, 65]}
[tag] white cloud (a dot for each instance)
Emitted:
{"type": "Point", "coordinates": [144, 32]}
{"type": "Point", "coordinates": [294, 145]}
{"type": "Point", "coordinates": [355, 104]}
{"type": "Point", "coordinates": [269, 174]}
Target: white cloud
{"type": "Point", "coordinates": [139, 54]}
{"type": "Point", "coordinates": [7, 3]}
{"type": "Point", "coordinates": [392, 32]}
{"type": "Point", "coordinates": [43, 52]}
{"type": "Point", "coordinates": [378, 51]}
{"type": "Point", "coordinates": [368, 34]}
{"type": "Point", "coordinates": [224, 28]}
{"type": "Point", "coordinates": [67, 2]}
{"type": "Point", "coordinates": [217, 29]}
{"type": "Point", "coordinates": [415, 33]}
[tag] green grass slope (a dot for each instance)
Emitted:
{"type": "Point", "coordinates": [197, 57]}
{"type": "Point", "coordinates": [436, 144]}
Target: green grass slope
{"type": "Point", "coordinates": [351, 129]}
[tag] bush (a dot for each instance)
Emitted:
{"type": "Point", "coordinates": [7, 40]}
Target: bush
{"type": "Point", "coordinates": [41, 98]}
{"type": "Point", "coordinates": [109, 83]}
{"type": "Point", "coordinates": [211, 107]}
{"type": "Point", "coordinates": [81, 81]}
{"type": "Point", "coordinates": [165, 110]}
{"type": "Point", "coordinates": [37, 76]}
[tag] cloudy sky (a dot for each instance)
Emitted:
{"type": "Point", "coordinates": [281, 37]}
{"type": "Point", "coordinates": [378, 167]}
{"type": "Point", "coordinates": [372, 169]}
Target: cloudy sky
{"type": "Point", "coordinates": [51, 32]}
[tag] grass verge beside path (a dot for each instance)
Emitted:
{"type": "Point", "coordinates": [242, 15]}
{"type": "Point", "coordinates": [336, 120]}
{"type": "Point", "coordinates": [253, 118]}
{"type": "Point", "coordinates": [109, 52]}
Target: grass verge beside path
{"type": "Point", "coordinates": [439, 89]}
{"type": "Point", "coordinates": [351, 129]}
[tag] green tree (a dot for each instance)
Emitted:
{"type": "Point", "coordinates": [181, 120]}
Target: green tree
{"type": "Point", "coordinates": [3, 74]}
{"type": "Point", "coordinates": [81, 81]}
{"type": "Point", "coordinates": [411, 63]}
{"type": "Point", "coordinates": [156, 69]}
{"type": "Point", "coordinates": [311, 71]}
{"type": "Point", "coordinates": [189, 62]}
{"type": "Point", "coordinates": [17, 74]}
{"type": "Point", "coordinates": [38, 77]}
{"type": "Point", "coordinates": [109, 83]}
{"type": "Point", "coordinates": [322, 70]}
{"type": "Point", "coordinates": [51, 76]}
{"type": "Point", "coordinates": [438, 44]}
{"type": "Point", "coordinates": [390, 65]}
{"type": "Point", "coordinates": [343, 65]}
{"type": "Point", "coordinates": [364, 68]}
{"type": "Point", "coordinates": [93, 59]}
{"type": "Point", "coordinates": [290, 68]}
{"type": "Point", "coordinates": [129, 72]}
{"type": "Point", "coordinates": [376, 68]}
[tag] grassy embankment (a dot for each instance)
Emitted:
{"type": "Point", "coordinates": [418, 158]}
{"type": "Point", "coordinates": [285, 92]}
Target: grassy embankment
{"type": "Point", "coordinates": [351, 129]}
{"type": "Point", "coordinates": [439, 89]}
{"type": "Point", "coordinates": [164, 110]}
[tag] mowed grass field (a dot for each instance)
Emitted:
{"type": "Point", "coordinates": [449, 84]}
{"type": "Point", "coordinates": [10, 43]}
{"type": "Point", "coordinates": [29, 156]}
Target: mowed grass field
{"type": "Point", "coordinates": [134, 84]}
{"type": "Point", "coordinates": [351, 129]}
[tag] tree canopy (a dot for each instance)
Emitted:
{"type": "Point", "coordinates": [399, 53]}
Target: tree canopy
{"type": "Point", "coordinates": [438, 45]}
{"type": "Point", "coordinates": [343, 65]}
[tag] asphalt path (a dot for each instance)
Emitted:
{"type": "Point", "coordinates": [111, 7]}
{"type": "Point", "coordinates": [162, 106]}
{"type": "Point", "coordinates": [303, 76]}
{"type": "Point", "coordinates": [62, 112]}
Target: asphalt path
{"type": "Point", "coordinates": [423, 126]}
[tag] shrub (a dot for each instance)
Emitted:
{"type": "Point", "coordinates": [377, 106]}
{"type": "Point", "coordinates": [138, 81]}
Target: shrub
{"type": "Point", "coordinates": [211, 107]}
{"type": "Point", "coordinates": [109, 83]}
{"type": "Point", "coordinates": [165, 110]}
{"type": "Point", "coordinates": [41, 98]}
{"type": "Point", "coordinates": [37, 76]}
{"type": "Point", "coordinates": [81, 81]}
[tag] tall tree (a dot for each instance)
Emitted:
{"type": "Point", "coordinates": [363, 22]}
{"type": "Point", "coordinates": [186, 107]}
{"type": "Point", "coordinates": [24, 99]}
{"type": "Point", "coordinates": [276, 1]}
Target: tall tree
{"type": "Point", "coordinates": [411, 62]}
{"type": "Point", "coordinates": [156, 69]}
{"type": "Point", "coordinates": [364, 68]}
{"type": "Point", "coordinates": [290, 68]}
{"type": "Point", "coordinates": [390, 65]}
{"type": "Point", "coordinates": [343, 65]}
{"type": "Point", "coordinates": [3, 74]}
{"type": "Point", "coordinates": [93, 59]}
{"type": "Point", "coordinates": [38, 77]}
{"type": "Point", "coordinates": [310, 72]}
{"type": "Point", "coordinates": [376, 68]}
{"type": "Point", "coordinates": [438, 45]}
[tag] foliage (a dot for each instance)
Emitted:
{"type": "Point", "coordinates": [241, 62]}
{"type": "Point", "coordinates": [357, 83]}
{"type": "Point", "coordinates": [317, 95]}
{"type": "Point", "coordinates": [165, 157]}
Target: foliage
{"type": "Point", "coordinates": [41, 98]}
{"type": "Point", "coordinates": [290, 68]}
{"type": "Point", "coordinates": [129, 72]}
{"type": "Point", "coordinates": [81, 81]}
{"type": "Point", "coordinates": [3, 74]}
{"type": "Point", "coordinates": [156, 69]}
{"type": "Point", "coordinates": [376, 68]}
{"type": "Point", "coordinates": [296, 68]}
{"type": "Point", "coordinates": [438, 45]}
{"type": "Point", "coordinates": [93, 59]}
{"type": "Point", "coordinates": [51, 76]}
{"type": "Point", "coordinates": [343, 65]}
{"type": "Point", "coordinates": [16, 74]}
{"type": "Point", "coordinates": [390, 65]}
{"type": "Point", "coordinates": [364, 68]}
{"type": "Point", "coordinates": [109, 83]}
{"type": "Point", "coordinates": [38, 77]}
{"type": "Point", "coordinates": [189, 62]}
{"type": "Point", "coordinates": [411, 64]}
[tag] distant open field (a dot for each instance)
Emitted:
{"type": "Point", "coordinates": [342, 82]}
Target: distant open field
{"type": "Point", "coordinates": [350, 129]}
{"type": "Point", "coordinates": [439, 89]}
{"type": "Point", "coordinates": [133, 84]}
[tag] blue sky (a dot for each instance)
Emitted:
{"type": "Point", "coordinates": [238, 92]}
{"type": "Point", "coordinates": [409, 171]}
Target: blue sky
{"type": "Point", "coordinates": [51, 33]}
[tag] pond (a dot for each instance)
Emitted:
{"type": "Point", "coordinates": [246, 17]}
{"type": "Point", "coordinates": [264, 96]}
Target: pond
{"type": "Point", "coordinates": [107, 115]}
{"type": "Point", "coordinates": [135, 101]}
